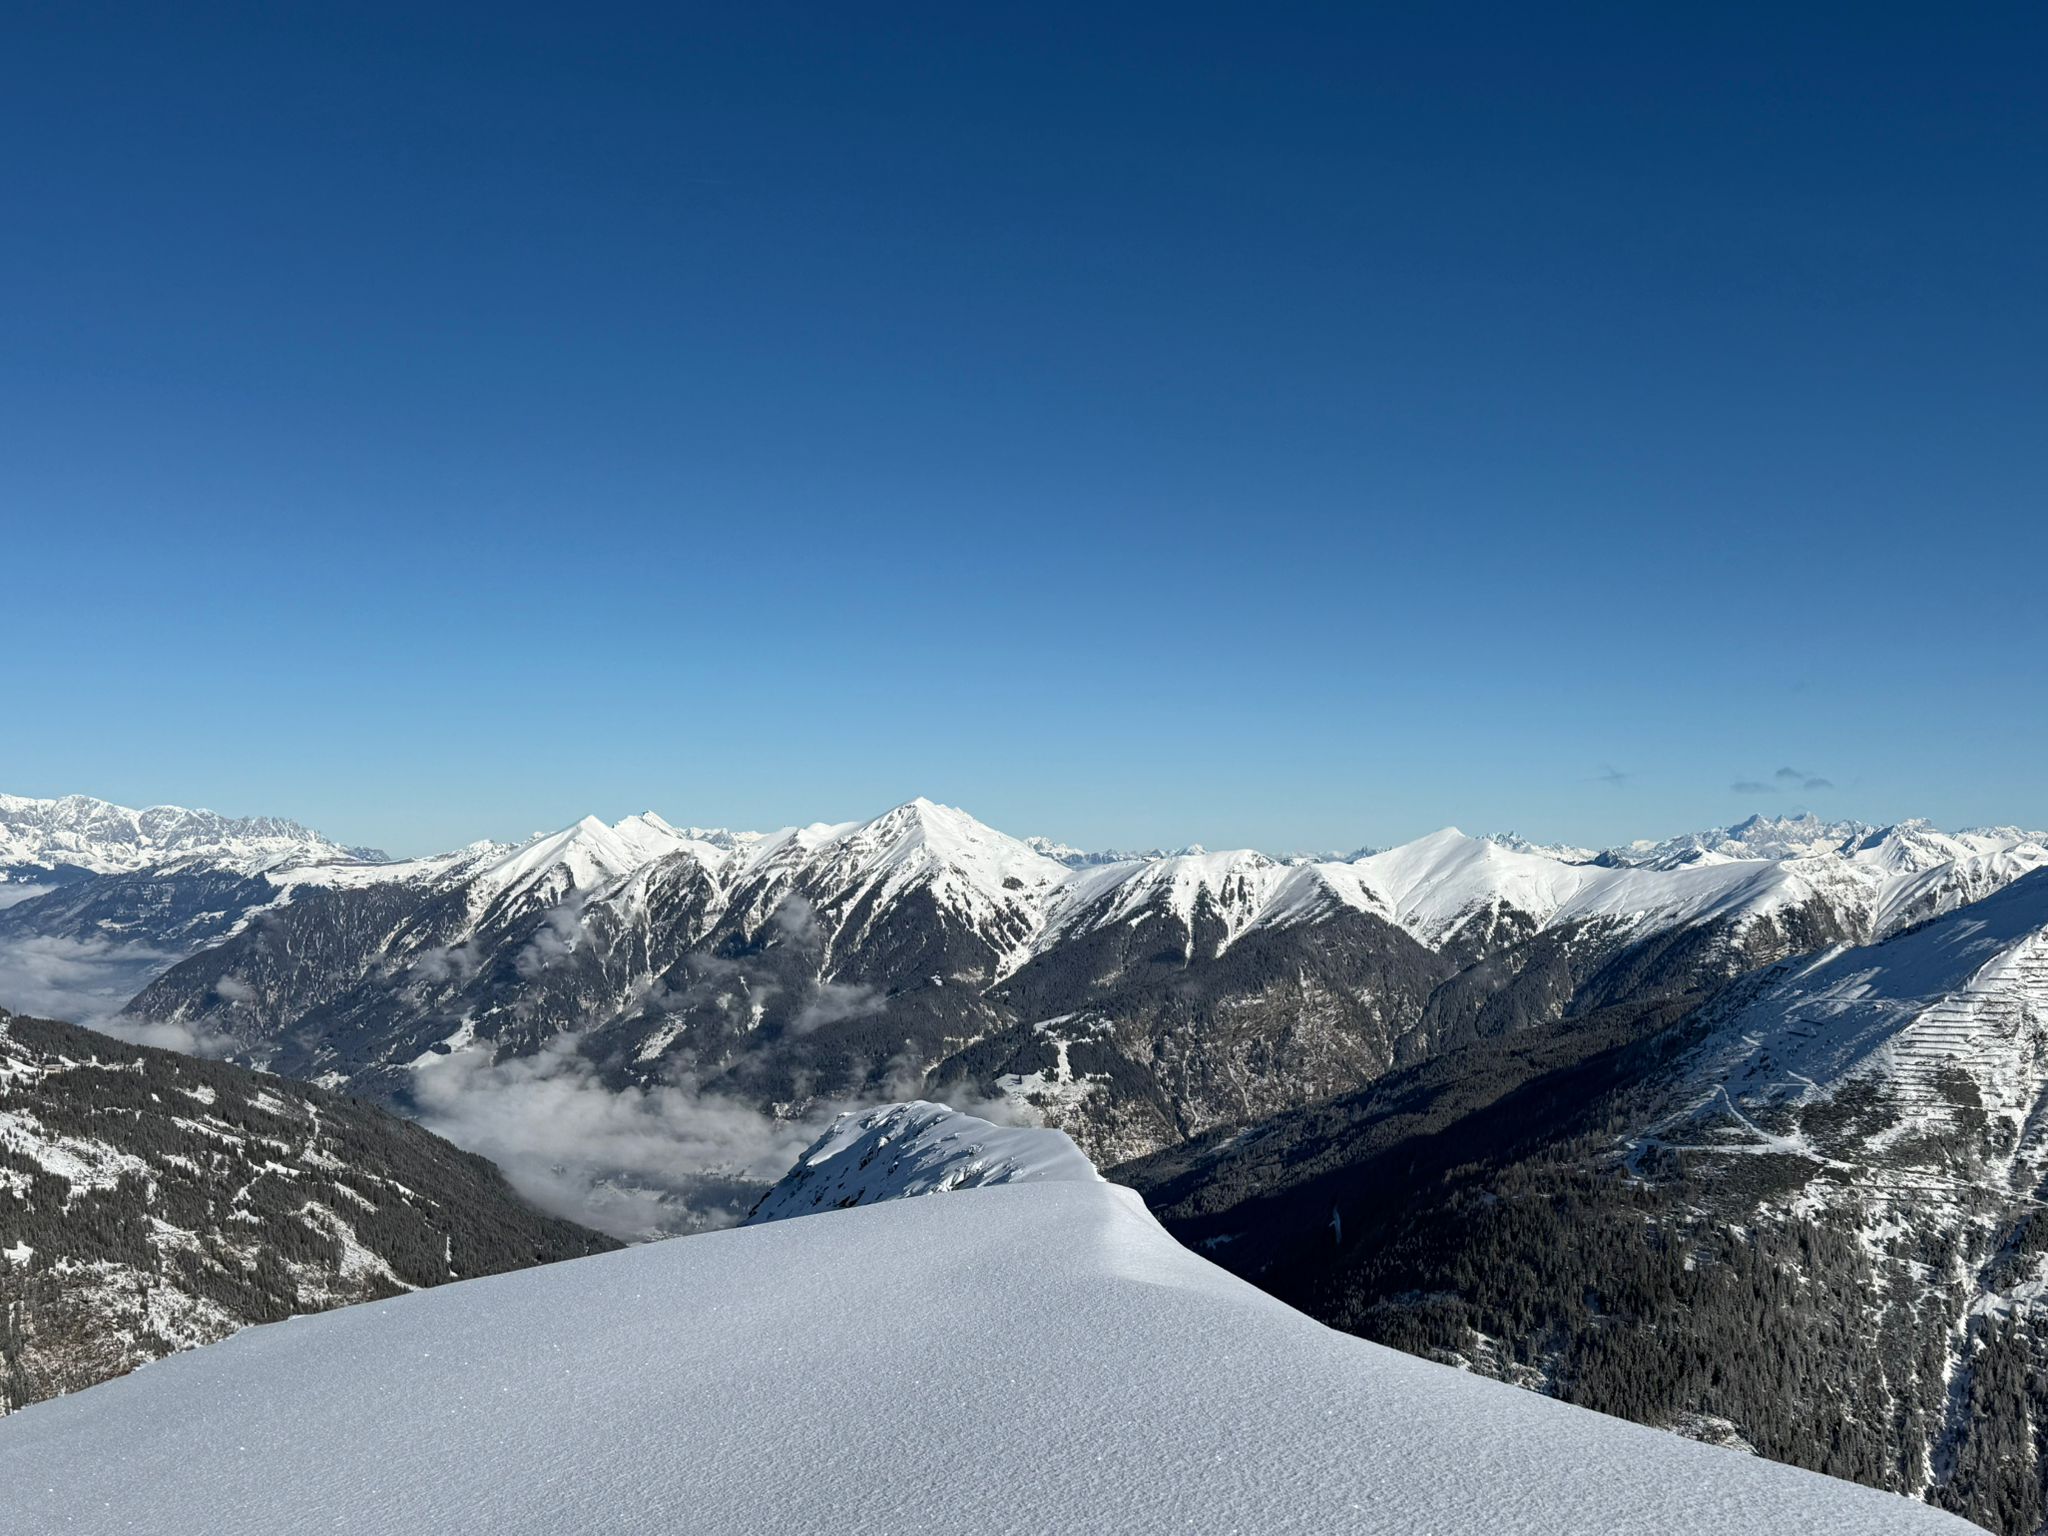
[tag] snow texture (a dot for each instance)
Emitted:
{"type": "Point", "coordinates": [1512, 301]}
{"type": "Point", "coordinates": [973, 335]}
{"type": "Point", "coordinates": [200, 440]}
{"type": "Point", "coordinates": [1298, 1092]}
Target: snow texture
{"type": "Point", "coordinates": [1966, 994]}
{"type": "Point", "coordinates": [919, 1148]}
{"type": "Point", "coordinates": [1035, 1357]}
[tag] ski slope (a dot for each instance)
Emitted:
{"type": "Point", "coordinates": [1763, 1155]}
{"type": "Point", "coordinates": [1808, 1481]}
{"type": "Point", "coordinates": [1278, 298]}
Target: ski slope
{"type": "Point", "coordinates": [1028, 1358]}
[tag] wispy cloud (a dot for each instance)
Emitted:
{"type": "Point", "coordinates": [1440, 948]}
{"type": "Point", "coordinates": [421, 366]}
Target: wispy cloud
{"type": "Point", "coordinates": [632, 1161]}
{"type": "Point", "coordinates": [554, 940]}
{"type": "Point", "coordinates": [80, 981]}
{"type": "Point", "coordinates": [1800, 778]}
{"type": "Point", "coordinates": [835, 1001]}
{"type": "Point", "coordinates": [1786, 780]}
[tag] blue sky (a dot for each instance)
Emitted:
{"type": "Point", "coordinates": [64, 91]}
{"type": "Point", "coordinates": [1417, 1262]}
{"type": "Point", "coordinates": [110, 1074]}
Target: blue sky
{"type": "Point", "coordinates": [1264, 424]}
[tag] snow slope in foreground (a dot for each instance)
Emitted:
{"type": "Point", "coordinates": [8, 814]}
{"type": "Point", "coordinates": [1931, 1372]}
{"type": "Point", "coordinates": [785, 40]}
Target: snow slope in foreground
{"type": "Point", "coordinates": [1028, 1358]}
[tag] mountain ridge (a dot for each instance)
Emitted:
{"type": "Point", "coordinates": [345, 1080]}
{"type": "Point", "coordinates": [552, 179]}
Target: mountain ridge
{"type": "Point", "coordinates": [1133, 1004]}
{"type": "Point", "coordinates": [81, 832]}
{"type": "Point", "coordinates": [1800, 1214]}
{"type": "Point", "coordinates": [150, 1203]}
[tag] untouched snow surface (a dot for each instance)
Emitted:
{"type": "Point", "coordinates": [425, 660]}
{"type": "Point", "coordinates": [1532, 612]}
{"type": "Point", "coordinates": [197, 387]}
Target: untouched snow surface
{"type": "Point", "coordinates": [919, 1148]}
{"type": "Point", "coordinates": [1030, 1358]}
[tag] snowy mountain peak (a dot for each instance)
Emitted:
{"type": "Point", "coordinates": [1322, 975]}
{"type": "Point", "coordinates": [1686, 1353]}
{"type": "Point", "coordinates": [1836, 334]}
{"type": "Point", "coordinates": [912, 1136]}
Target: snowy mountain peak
{"type": "Point", "coordinates": [1234, 888]}
{"type": "Point", "coordinates": [579, 858]}
{"type": "Point", "coordinates": [921, 840]}
{"type": "Point", "coordinates": [1057, 851]}
{"type": "Point", "coordinates": [1437, 883]}
{"type": "Point", "coordinates": [919, 1148]}
{"type": "Point", "coordinates": [1564, 853]}
{"type": "Point", "coordinates": [97, 835]}
{"type": "Point", "coordinates": [1087, 858]}
{"type": "Point", "coordinates": [1754, 837]}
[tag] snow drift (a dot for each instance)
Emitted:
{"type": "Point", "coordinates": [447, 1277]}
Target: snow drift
{"type": "Point", "coordinates": [1038, 1356]}
{"type": "Point", "coordinates": [902, 1150]}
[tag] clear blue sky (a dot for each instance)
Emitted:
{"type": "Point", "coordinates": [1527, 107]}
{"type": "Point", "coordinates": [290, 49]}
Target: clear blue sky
{"type": "Point", "coordinates": [1256, 424]}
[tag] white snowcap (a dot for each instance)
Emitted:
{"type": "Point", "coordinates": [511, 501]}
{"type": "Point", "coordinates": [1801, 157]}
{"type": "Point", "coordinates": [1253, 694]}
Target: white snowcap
{"type": "Point", "coordinates": [917, 1148]}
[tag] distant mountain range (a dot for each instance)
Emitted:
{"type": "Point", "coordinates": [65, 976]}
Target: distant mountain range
{"type": "Point", "coordinates": [1134, 1003]}
{"type": "Point", "coordinates": [77, 832]}
{"type": "Point", "coordinates": [1739, 1133]}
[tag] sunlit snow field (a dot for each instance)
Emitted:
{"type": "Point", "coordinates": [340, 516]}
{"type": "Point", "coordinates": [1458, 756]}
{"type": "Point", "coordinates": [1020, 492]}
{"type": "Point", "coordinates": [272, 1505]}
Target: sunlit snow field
{"type": "Point", "coordinates": [1028, 1358]}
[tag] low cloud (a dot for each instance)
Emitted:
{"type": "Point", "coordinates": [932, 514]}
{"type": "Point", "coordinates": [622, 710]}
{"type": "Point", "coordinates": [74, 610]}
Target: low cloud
{"type": "Point", "coordinates": [797, 920]}
{"type": "Point", "coordinates": [79, 981]}
{"type": "Point", "coordinates": [904, 1078]}
{"type": "Point", "coordinates": [88, 981]}
{"type": "Point", "coordinates": [832, 1002]}
{"type": "Point", "coordinates": [187, 1039]}
{"type": "Point", "coordinates": [455, 962]}
{"type": "Point", "coordinates": [632, 1161]}
{"type": "Point", "coordinates": [554, 940]}
{"type": "Point", "coordinates": [644, 1160]}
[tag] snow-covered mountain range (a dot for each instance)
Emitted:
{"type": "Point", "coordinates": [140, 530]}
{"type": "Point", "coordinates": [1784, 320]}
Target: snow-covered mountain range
{"type": "Point", "coordinates": [80, 833]}
{"type": "Point", "coordinates": [1339, 1075]}
{"type": "Point", "coordinates": [1031, 1357]}
{"type": "Point", "coordinates": [1131, 1001]}
{"type": "Point", "coordinates": [1881, 878]}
